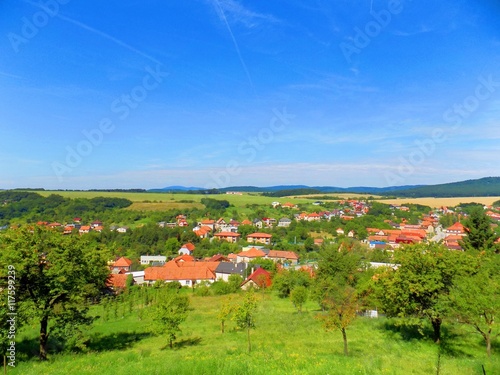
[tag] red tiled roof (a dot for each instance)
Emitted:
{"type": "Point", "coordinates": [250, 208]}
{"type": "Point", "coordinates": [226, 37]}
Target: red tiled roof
{"type": "Point", "coordinates": [457, 227]}
{"type": "Point", "coordinates": [184, 258]}
{"type": "Point", "coordinates": [259, 235]}
{"type": "Point", "coordinates": [182, 271]}
{"type": "Point", "coordinates": [117, 280]}
{"type": "Point", "coordinates": [261, 277]}
{"type": "Point", "coordinates": [227, 234]}
{"type": "Point", "coordinates": [122, 262]}
{"type": "Point", "coordinates": [252, 253]}
{"type": "Point", "coordinates": [246, 222]}
{"type": "Point", "coordinates": [189, 246]}
{"type": "Point", "coordinates": [282, 254]}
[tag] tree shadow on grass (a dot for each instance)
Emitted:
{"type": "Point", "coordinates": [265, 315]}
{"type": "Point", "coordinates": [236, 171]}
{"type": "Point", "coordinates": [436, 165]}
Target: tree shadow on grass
{"type": "Point", "coordinates": [450, 343]}
{"type": "Point", "coordinates": [116, 341]}
{"type": "Point", "coordinates": [192, 341]}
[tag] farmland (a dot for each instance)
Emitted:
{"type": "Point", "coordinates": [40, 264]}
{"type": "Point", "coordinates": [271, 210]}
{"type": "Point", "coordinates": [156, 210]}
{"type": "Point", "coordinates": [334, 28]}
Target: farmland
{"type": "Point", "coordinates": [165, 201]}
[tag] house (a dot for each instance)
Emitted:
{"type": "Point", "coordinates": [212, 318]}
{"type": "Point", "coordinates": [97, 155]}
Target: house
{"type": "Point", "coordinates": [249, 255]}
{"type": "Point", "coordinates": [260, 278]}
{"type": "Point", "coordinates": [232, 257]}
{"type": "Point", "coordinates": [186, 273]}
{"type": "Point", "coordinates": [122, 229]}
{"type": "Point", "coordinates": [207, 223]}
{"type": "Point", "coordinates": [138, 277]}
{"type": "Point", "coordinates": [96, 223]}
{"type": "Point", "coordinates": [117, 282]}
{"type": "Point", "coordinates": [202, 232]}
{"type": "Point", "coordinates": [148, 259]}
{"type": "Point", "coordinates": [340, 231]}
{"type": "Point", "coordinates": [257, 223]}
{"type": "Point", "coordinates": [187, 248]}
{"type": "Point", "coordinates": [218, 258]}
{"type": "Point", "coordinates": [246, 222]}
{"type": "Point", "coordinates": [228, 236]}
{"type": "Point", "coordinates": [258, 237]}
{"type": "Point", "coordinates": [456, 228]}
{"type": "Point", "coordinates": [284, 257]}
{"type": "Point", "coordinates": [184, 258]}
{"type": "Point", "coordinates": [313, 217]}
{"type": "Point", "coordinates": [226, 269]}
{"type": "Point", "coordinates": [284, 222]}
{"type": "Point", "coordinates": [122, 265]}
{"type": "Point", "coordinates": [289, 205]}
{"type": "Point", "coordinates": [84, 229]}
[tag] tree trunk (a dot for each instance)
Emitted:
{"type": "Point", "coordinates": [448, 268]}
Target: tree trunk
{"type": "Point", "coordinates": [436, 325]}
{"type": "Point", "coordinates": [248, 336]}
{"type": "Point", "coordinates": [222, 326]}
{"type": "Point", "coordinates": [344, 336]}
{"type": "Point", "coordinates": [488, 345]}
{"type": "Point", "coordinates": [171, 343]}
{"type": "Point", "coordinates": [44, 322]}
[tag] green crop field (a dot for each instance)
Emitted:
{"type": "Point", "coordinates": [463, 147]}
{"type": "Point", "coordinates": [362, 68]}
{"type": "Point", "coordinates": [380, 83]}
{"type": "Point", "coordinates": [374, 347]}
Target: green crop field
{"type": "Point", "coordinates": [283, 342]}
{"type": "Point", "coordinates": [236, 200]}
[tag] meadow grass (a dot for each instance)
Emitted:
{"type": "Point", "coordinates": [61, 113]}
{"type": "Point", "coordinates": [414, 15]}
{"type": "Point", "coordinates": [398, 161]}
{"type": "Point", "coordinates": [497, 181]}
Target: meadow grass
{"type": "Point", "coordinates": [283, 342]}
{"type": "Point", "coordinates": [165, 201]}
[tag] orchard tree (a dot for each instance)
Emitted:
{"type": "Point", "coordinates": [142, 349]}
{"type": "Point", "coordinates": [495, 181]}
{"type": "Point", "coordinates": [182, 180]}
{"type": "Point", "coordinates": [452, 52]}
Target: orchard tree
{"type": "Point", "coordinates": [341, 304]}
{"type": "Point", "coordinates": [336, 281]}
{"type": "Point", "coordinates": [419, 287]}
{"type": "Point", "coordinates": [298, 296]}
{"type": "Point", "coordinates": [56, 276]}
{"type": "Point", "coordinates": [244, 314]}
{"type": "Point", "coordinates": [168, 313]}
{"type": "Point", "coordinates": [226, 309]}
{"type": "Point", "coordinates": [475, 299]}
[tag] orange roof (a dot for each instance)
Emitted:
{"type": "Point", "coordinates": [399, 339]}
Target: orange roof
{"type": "Point", "coordinates": [232, 256]}
{"type": "Point", "coordinates": [117, 280]}
{"type": "Point", "coordinates": [85, 227]}
{"type": "Point", "coordinates": [261, 277]}
{"type": "Point", "coordinates": [189, 246]}
{"type": "Point", "coordinates": [184, 258]}
{"type": "Point", "coordinates": [208, 222]}
{"type": "Point", "coordinates": [252, 253]}
{"type": "Point", "coordinates": [246, 222]}
{"type": "Point", "coordinates": [122, 262]}
{"type": "Point", "coordinates": [227, 234]}
{"type": "Point", "coordinates": [282, 254]}
{"type": "Point", "coordinates": [182, 271]}
{"type": "Point", "coordinates": [457, 227]}
{"type": "Point", "coordinates": [260, 235]}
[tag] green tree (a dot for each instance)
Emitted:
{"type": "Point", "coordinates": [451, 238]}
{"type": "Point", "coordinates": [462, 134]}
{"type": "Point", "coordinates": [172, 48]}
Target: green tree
{"type": "Point", "coordinates": [341, 304]}
{"type": "Point", "coordinates": [335, 289]}
{"type": "Point", "coordinates": [298, 296]}
{"type": "Point", "coordinates": [226, 309]}
{"type": "Point", "coordinates": [244, 314]}
{"type": "Point", "coordinates": [168, 313]}
{"type": "Point", "coordinates": [56, 276]}
{"type": "Point", "coordinates": [475, 299]}
{"type": "Point", "coordinates": [418, 288]}
{"type": "Point", "coordinates": [480, 236]}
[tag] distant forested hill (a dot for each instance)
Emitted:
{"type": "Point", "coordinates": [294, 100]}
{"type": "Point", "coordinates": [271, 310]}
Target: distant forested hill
{"type": "Point", "coordinates": [483, 187]}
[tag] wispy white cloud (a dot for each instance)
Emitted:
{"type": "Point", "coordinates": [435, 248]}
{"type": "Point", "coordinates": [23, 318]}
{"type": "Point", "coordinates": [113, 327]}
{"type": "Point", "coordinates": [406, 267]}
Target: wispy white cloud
{"type": "Point", "coordinates": [234, 12]}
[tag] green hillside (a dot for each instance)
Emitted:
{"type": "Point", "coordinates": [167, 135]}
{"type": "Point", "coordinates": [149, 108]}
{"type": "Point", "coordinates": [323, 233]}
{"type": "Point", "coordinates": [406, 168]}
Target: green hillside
{"type": "Point", "coordinates": [483, 187]}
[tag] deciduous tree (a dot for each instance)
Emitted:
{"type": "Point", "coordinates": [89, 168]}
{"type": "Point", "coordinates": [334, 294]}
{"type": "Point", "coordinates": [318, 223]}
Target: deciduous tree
{"type": "Point", "coordinates": [168, 313]}
{"type": "Point", "coordinates": [56, 276]}
{"type": "Point", "coordinates": [420, 285]}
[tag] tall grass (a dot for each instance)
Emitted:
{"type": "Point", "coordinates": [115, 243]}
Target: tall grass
{"type": "Point", "coordinates": [283, 342]}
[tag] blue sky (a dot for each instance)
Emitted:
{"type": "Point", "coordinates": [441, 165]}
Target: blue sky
{"type": "Point", "coordinates": [212, 93]}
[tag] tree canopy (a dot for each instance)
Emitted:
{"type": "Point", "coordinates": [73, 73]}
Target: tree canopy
{"type": "Point", "coordinates": [55, 278]}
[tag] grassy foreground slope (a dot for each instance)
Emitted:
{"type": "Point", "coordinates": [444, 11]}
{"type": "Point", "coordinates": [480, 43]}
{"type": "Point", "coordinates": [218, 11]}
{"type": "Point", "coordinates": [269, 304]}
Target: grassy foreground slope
{"type": "Point", "coordinates": [284, 342]}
